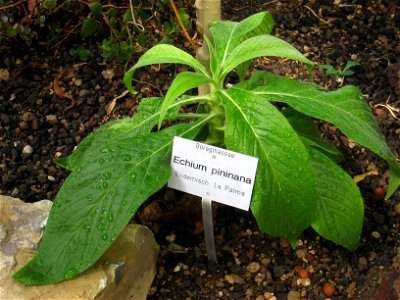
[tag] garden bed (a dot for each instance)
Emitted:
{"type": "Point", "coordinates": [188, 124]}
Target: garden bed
{"type": "Point", "coordinates": [36, 128]}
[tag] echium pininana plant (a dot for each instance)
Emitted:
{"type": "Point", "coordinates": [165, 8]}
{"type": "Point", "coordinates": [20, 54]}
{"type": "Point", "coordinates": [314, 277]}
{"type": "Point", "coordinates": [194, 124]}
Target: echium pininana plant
{"type": "Point", "coordinates": [298, 182]}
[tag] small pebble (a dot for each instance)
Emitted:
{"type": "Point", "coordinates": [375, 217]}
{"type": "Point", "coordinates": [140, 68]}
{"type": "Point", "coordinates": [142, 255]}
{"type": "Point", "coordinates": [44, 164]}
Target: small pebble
{"type": "Point", "coordinates": [301, 253]}
{"type": "Point", "coordinates": [303, 273]}
{"type": "Point", "coordinates": [266, 261]}
{"type": "Point", "coordinates": [294, 295]}
{"type": "Point", "coordinates": [362, 263]}
{"type": "Point", "coordinates": [177, 268]}
{"type": "Point", "coordinates": [397, 208]}
{"type": "Point", "coordinates": [4, 75]}
{"type": "Point", "coordinates": [237, 279]}
{"type": "Point", "coordinates": [229, 279]}
{"type": "Point", "coordinates": [259, 278]}
{"type": "Point", "coordinates": [284, 243]}
{"type": "Point", "coordinates": [269, 296]}
{"type": "Point", "coordinates": [379, 112]}
{"type": "Point", "coordinates": [253, 267]}
{"type": "Point", "coordinates": [328, 289]}
{"type": "Point", "coordinates": [108, 74]}
{"type": "Point", "coordinates": [305, 281]}
{"type": "Point", "coordinates": [379, 192]}
{"type": "Point", "coordinates": [84, 93]}
{"type": "Point", "coordinates": [27, 116]}
{"type": "Point", "coordinates": [27, 149]}
{"type": "Point", "coordinates": [23, 125]}
{"type": "Point", "coordinates": [52, 119]}
{"type": "Point", "coordinates": [78, 82]}
{"type": "Point", "coordinates": [375, 234]}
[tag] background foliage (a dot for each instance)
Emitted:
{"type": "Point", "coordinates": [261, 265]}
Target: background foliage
{"type": "Point", "coordinates": [117, 29]}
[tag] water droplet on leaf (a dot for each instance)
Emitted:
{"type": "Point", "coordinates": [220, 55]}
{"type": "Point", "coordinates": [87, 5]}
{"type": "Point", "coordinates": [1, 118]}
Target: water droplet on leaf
{"type": "Point", "coordinates": [126, 157]}
{"type": "Point", "coordinates": [105, 150]}
{"type": "Point", "coordinates": [133, 178]}
{"type": "Point", "coordinates": [104, 237]}
{"type": "Point", "coordinates": [70, 273]}
{"type": "Point", "coordinates": [110, 217]}
{"type": "Point", "coordinates": [105, 185]}
{"type": "Point", "coordinates": [107, 175]}
{"type": "Point", "coordinates": [86, 227]}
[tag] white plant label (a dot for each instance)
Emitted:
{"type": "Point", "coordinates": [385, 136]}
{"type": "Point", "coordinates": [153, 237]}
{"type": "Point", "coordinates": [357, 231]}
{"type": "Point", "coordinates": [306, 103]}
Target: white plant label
{"type": "Point", "coordinates": [214, 173]}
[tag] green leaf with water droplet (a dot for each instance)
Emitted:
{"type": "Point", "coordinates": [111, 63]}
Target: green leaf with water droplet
{"type": "Point", "coordinates": [258, 46]}
{"type": "Point", "coordinates": [340, 208]}
{"type": "Point", "coordinates": [183, 82]}
{"type": "Point", "coordinates": [345, 108]}
{"type": "Point", "coordinates": [163, 54]}
{"type": "Point", "coordinates": [111, 207]}
{"type": "Point", "coordinates": [227, 35]}
{"type": "Point", "coordinates": [142, 123]}
{"type": "Point", "coordinates": [284, 194]}
{"type": "Point", "coordinates": [309, 134]}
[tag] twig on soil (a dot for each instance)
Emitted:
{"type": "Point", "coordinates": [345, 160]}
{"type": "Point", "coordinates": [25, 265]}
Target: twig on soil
{"type": "Point", "coordinates": [134, 22]}
{"type": "Point", "coordinates": [362, 176]}
{"type": "Point", "coordinates": [181, 23]}
{"type": "Point", "coordinates": [318, 17]}
{"type": "Point", "coordinates": [60, 93]}
{"type": "Point", "coordinates": [391, 109]}
{"type": "Point", "coordinates": [110, 107]}
{"type": "Point", "coordinates": [11, 5]}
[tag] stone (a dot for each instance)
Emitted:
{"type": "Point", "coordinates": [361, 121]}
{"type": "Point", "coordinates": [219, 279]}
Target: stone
{"type": "Point", "coordinates": [253, 267]}
{"type": "Point", "coordinates": [27, 149]}
{"type": "Point", "coordinates": [389, 288]}
{"type": "Point", "coordinates": [125, 271]}
{"type": "Point", "coordinates": [294, 295]}
{"type": "Point", "coordinates": [108, 74]}
{"type": "Point", "coordinates": [84, 93]}
{"type": "Point", "coordinates": [52, 119]}
{"type": "Point", "coordinates": [4, 75]}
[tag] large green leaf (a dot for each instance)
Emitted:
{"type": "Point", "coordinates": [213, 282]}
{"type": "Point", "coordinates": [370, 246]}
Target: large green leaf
{"type": "Point", "coordinates": [345, 108]}
{"type": "Point", "coordinates": [265, 27]}
{"type": "Point", "coordinates": [162, 54]}
{"type": "Point", "coordinates": [340, 208]}
{"type": "Point", "coordinates": [145, 119]}
{"type": "Point", "coordinates": [260, 45]}
{"type": "Point", "coordinates": [183, 82]}
{"type": "Point", "coordinates": [284, 195]}
{"type": "Point", "coordinates": [309, 134]}
{"type": "Point", "coordinates": [227, 34]}
{"type": "Point", "coordinates": [97, 201]}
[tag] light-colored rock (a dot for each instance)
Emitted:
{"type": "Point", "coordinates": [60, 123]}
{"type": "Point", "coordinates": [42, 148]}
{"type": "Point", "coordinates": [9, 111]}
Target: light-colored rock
{"type": "Point", "coordinates": [4, 75]}
{"type": "Point", "coordinates": [125, 271]}
{"type": "Point", "coordinates": [28, 149]}
{"type": "Point", "coordinates": [52, 119]}
{"type": "Point", "coordinates": [294, 295]}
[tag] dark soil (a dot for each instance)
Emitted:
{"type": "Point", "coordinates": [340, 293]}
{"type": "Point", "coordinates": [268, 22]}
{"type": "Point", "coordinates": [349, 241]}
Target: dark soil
{"type": "Point", "coordinates": [36, 128]}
